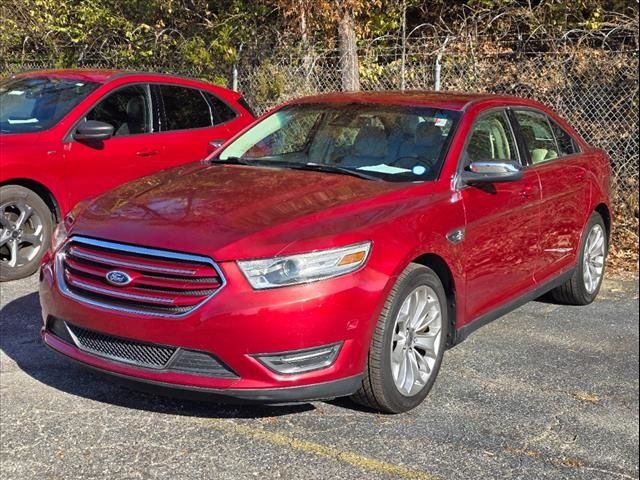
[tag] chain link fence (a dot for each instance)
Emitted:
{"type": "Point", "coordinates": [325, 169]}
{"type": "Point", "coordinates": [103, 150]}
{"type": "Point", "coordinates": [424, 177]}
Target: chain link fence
{"type": "Point", "coordinates": [594, 85]}
{"type": "Point", "coordinates": [595, 89]}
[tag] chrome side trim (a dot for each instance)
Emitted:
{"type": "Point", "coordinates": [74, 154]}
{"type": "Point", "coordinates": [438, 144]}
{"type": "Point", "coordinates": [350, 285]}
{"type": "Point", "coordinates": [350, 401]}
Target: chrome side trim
{"type": "Point", "coordinates": [62, 286]}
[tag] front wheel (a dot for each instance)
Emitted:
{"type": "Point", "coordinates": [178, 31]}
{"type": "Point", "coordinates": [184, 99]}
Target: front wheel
{"type": "Point", "coordinates": [584, 285]}
{"type": "Point", "coordinates": [408, 343]}
{"type": "Point", "coordinates": [25, 231]}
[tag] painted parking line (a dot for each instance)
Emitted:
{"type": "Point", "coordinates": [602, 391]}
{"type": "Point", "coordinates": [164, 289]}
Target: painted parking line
{"type": "Point", "coordinates": [320, 450]}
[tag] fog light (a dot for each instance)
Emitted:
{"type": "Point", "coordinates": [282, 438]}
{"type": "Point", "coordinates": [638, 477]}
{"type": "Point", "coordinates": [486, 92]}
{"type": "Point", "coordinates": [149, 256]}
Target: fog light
{"type": "Point", "coordinates": [301, 360]}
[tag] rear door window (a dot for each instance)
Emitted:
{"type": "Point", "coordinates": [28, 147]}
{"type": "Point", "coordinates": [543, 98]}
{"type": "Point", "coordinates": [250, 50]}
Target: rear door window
{"type": "Point", "coordinates": [566, 143]}
{"type": "Point", "coordinates": [244, 104]}
{"type": "Point", "coordinates": [538, 135]}
{"type": "Point", "coordinates": [221, 111]}
{"type": "Point", "coordinates": [184, 108]}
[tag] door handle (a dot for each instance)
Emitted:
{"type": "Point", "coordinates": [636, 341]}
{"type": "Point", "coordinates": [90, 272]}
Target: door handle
{"type": "Point", "coordinates": [528, 192]}
{"type": "Point", "coordinates": [147, 153]}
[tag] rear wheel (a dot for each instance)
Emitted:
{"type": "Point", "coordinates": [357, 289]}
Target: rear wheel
{"type": "Point", "coordinates": [584, 285]}
{"type": "Point", "coordinates": [25, 231]}
{"type": "Point", "coordinates": [408, 344]}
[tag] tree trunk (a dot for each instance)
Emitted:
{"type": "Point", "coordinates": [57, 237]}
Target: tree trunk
{"type": "Point", "coordinates": [348, 54]}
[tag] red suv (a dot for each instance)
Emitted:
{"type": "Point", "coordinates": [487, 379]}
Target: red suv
{"type": "Point", "coordinates": [336, 247]}
{"type": "Point", "coordinates": [70, 134]}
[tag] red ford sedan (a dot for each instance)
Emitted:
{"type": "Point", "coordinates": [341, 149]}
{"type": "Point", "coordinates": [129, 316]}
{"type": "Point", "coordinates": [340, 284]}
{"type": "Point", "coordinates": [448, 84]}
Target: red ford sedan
{"type": "Point", "coordinates": [336, 247]}
{"type": "Point", "coordinates": [66, 135]}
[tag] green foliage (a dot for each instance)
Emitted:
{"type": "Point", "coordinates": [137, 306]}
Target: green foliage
{"type": "Point", "coordinates": [197, 33]}
{"type": "Point", "coordinates": [269, 83]}
{"type": "Point", "coordinates": [208, 35]}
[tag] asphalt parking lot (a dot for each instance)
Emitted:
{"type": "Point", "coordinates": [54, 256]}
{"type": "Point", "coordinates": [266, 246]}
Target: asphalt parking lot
{"type": "Point", "coordinates": [546, 392]}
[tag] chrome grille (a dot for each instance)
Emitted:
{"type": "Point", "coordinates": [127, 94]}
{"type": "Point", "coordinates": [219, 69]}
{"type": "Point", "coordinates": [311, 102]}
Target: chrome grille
{"type": "Point", "coordinates": [122, 350]}
{"type": "Point", "coordinates": [158, 282]}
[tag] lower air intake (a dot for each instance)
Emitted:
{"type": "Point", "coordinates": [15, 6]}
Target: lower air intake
{"type": "Point", "coordinates": [128, 351]}
{"type": "Point", "coordinates": [141, 354]}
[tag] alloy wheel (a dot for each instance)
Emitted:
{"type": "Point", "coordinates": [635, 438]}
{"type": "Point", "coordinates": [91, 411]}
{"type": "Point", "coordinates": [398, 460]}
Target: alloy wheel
{"type": "Point", "coordinates": [21, 233]}
{"type": "Point", "coordinates": [416, 340]}
{"type": "Point", "coordinates": [594, 256]}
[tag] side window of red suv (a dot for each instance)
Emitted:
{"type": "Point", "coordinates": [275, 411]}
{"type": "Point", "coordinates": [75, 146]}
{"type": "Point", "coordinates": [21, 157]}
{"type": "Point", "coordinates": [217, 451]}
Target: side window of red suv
{"type": "Point", "coordinates": [127, 109]}
{"type": "Point", "coordinates": [184, 108]}
{"type": "Point", "coordinates": [221, 111]}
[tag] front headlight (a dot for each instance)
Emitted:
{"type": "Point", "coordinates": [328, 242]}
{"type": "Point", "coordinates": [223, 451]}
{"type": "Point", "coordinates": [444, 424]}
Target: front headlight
{"type": "Point", "coordinates": [59, 236]}
{"type": "Point", "coordinates": [305, 267]}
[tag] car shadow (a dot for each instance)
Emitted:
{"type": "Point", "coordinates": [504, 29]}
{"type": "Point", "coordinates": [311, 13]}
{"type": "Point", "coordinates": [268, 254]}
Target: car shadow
{"type": "Point", "coordinates": [20, 323]}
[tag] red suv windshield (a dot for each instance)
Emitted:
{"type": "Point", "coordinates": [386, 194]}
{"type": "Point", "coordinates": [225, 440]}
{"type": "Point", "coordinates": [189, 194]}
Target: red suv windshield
{"type": "Point", "coordinates": [37, 103]}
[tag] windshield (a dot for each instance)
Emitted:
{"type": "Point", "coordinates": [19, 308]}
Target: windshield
{"type": "Point", "coordinates": [37, 103]}
{"type": "Point", "coordinates": [387, 142]}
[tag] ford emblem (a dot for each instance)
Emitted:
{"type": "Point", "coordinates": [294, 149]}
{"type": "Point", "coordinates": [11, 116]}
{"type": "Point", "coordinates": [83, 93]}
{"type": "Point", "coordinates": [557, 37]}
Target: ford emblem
{"type": "Point", "coordinates": [118, 278]}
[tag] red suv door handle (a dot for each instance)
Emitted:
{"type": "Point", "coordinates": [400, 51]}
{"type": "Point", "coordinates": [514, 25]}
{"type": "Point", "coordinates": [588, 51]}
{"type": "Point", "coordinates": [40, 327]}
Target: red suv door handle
{"type": "Point", "coordinates": [528, 192]}
{"type": "Point", "coordinates": [147, 153]}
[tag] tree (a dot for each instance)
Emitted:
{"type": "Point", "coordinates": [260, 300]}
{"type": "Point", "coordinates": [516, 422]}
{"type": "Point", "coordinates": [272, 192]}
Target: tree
{"type": "Point", "coordinates": [348, 52]}
{"type": "Point", "coordinates": [336, 20]}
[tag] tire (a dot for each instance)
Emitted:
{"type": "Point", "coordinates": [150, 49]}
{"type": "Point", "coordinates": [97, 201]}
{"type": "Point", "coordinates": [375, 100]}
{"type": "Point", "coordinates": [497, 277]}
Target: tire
{"type": "Point", "coordinates": [577, 291]}
{"type": "Point", "coordinates": [31, 235]}
{"type": "Point", "coordinates": [379, 390]}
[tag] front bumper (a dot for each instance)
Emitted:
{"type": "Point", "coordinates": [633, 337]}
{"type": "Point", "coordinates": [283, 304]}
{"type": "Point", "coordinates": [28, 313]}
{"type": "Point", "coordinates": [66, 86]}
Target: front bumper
{"type": "Point", "coordinates": [274, 396]}
{"type": "Point", "coordinates": [235, 326]}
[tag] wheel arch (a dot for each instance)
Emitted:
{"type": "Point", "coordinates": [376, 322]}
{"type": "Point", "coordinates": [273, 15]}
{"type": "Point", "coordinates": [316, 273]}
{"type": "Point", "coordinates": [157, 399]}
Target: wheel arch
{"type": "Point", "coordinates": [42, 191]}
{"type": "Point", "coordinates": [439, 265]}
{"type": "Point", "coordinates": [604, 212]}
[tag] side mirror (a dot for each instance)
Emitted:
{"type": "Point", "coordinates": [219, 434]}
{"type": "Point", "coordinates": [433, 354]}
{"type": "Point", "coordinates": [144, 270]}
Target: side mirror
{"type": "Point", "coordinates": [492, 171]}
{"type": "Point", "coordinates": [93, 130]}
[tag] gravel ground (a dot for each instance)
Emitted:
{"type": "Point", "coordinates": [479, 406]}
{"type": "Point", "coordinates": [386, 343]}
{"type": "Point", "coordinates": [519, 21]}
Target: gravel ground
{"type": "Point", "coordinates": [546, 392]}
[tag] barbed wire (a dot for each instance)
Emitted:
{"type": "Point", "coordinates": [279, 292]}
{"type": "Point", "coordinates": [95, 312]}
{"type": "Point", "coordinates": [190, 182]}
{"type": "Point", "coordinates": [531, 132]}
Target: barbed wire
{"type": "Point", "coordinates": [591, 79]}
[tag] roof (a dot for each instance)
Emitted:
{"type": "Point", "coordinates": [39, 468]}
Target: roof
{"type": "Point", "coordinates": [97, 75]}
{"type": "Point", "coordinates": [107, 75]}
{"type": "Point", "coordinates": [86, 74]}
{"type": "Point", "coordinates": [445, 100]}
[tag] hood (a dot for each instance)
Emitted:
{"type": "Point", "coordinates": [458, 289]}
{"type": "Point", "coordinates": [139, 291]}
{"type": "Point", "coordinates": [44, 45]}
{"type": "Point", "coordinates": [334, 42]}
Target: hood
{"type": "Point", "coordinates": [232, 212]}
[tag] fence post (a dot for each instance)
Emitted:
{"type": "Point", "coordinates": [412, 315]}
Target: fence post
{"type": "Point", "coordinates": [234, 80]}
{"type": "Point", "coordinates": [404, 46]}
{"type": "Point", "coordinates": [438, 66]}
{"type": "Point", "coordinates": [234, 72]}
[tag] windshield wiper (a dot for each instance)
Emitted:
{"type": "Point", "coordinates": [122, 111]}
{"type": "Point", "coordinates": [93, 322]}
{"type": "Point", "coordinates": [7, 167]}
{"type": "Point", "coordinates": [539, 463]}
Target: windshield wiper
{"type": "Point", "coordinates": [317, 167]}
{"type": "Point", "coordinates": [342, 170]}
{"type": "Point", "coordinates": [231, 161]}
